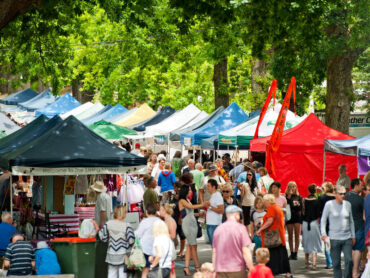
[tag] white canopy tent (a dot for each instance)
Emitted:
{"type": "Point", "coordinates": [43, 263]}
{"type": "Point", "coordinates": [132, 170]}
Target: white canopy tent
{"type": "Point", "coordinates": [77, 110]}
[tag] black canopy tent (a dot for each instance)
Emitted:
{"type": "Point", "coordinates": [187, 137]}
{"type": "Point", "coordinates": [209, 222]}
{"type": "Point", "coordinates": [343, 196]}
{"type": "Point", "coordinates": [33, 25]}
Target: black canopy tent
{"type": "Point", "coordinates": [71, 148]}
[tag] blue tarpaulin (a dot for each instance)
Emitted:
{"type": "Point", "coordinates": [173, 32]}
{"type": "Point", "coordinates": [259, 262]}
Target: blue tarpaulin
{"type": "Point", "coordinates": [120, 116]}
{"type": "Point", "coordinates": [97, 114]}
{"type": "Point", "coordinates": [64, 104]}
{"type": "Point", "coordinates": [38, 102]}
{"type": "Point", "coordinates": [230, 117]}
{"type": "Point", "coordinates": [18, 97]}
{"type": "Point", "coordinates": [7, 126]}
{"type": "Point", "coordinates": [115, 110]}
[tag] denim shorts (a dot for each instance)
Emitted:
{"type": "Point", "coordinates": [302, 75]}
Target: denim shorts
{"type": "Point", "coordinates": [360, 240]}
{"type": "Point", "coordinates": [257, 241]}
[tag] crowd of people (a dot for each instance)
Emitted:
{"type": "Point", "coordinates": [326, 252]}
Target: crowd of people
{"type": "Point", "coordinates": [246, 218]}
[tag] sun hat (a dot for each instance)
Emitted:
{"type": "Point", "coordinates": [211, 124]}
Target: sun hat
{"type": "Point", "coordinates": [232, 208]}
{"type": "Point", "coordinates": [248, 164]}
{"type": "Point", "coordinates": [212, 167]}
{"type": "Point", "coordinates": [99, 186]}
{"type": "Point", "coordinates": [42, 245]}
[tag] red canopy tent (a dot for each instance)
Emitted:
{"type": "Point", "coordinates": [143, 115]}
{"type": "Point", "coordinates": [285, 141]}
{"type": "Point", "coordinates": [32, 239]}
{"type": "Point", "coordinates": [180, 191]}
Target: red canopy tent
{"type": "Point", "coordinates": [300, 157]}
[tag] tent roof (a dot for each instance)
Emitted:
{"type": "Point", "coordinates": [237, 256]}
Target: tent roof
{"type": "Point", "coordinates": [20, 142]}
{"type": "Point", "coordinates": [77, 110]}
{"type": "Point", "coordinates": [159, 117]}
{"type": "Point", "coordinates": [7, 126]}
{"type": "Point", "coordinates": [143, 113]}
{"type": "Point", "coordinates": [176, 134]}
{"type": "Point", "coordinates": [242, 134]}
{"type": "Point", "coordinates": [60, 106]}
{"type": "Point", "coordinates": [355, 147]}
{"type": "Point", "coordinates": [177, 120]}
{"type": "Point", "coordinates": [111, 131]}
{"type": "Point", "coordinates": [115, 110]}
{"type": "Point", "coordinates": [306, 137]}
{"type": "Point", "coordinates": [121, 116]}
{"type": "Point", "coordinates": [40, 101]}
{"type": "Point", "coordinates": [97, 107]}
{"type": "Point", "coordinates": [97, 114]}
{"type": "Point", "coordinates": [14, 137]}
{"type": "Point", "coordinates": [230, 117]}
{"type": "Point", "coordinates": [18, 97]}
{"type": "Point", "coordinates": [71, 144]}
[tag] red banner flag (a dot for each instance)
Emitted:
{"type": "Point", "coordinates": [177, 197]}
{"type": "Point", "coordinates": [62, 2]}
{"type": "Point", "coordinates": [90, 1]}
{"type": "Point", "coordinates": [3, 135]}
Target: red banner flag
{"type": "Point", "coordinates": [272, 92]}
{"type": "Point", "coordinates": [274, 143]}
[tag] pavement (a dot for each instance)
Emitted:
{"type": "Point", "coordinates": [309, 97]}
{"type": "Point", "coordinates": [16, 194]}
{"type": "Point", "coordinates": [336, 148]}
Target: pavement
{"type": "Point", "coordinates": [297, 266]}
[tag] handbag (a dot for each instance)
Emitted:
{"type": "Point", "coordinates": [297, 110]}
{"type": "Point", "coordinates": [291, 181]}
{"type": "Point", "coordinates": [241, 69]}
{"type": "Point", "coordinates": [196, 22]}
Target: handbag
{"type": "Point", "coordinates": [199, 233]}
{"type": "Point", "coordinates": [288, 213]}
{"type": "Point", "coordinates": [136, 258]}
{"type": "Point", "coordinates": [272, 238]}
{"type": "Point", "coordinates": [156, 272]}
{"type": "Point", "coordinates": [367, 239]}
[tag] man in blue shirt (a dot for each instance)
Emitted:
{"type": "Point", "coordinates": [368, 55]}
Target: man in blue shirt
{"type": "Point", "coordinates": [6, 231]}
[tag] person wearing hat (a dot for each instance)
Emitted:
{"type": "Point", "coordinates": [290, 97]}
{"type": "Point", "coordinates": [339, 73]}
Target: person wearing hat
{"type": "Point", "coordinates": [231, 256]}
{"type": "Point", "coordinates": [137, 149]}
{"type": "Point", "coordinates": [204, 195]}
{"type": "Point", "coordinates": [103, 204]}
{"type": "Point", "coordinates": [19, 256]}
{"type": "Point", "coordinates": [46, 260]}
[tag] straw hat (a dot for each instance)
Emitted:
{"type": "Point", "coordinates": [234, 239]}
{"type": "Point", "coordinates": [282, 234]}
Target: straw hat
{"type": "Point", "coordinates": [42, 245]}
{"type": "Point", "coordinates": [249, 165]}
{"type": "Point", "coordinates": [99, 186]}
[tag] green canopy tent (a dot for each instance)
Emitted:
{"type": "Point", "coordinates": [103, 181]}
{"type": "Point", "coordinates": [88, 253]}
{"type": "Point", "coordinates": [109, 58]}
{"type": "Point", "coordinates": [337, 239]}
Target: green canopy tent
{"type": "Point", "coordinates": [110, 131]}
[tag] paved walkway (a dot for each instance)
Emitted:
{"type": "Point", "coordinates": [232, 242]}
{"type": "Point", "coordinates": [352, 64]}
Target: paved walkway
{"type": "Point", "coordinates": [298, 266]}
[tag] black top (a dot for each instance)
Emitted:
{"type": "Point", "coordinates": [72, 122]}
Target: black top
{"type": "Point", "coordinates": [322, 201]}
{"type": "Point", "coordinates": [295, 203]}
{"type": "Point", "coordinates": [234, 202]}
{"type": "Point", "coordinates": [311, 210]}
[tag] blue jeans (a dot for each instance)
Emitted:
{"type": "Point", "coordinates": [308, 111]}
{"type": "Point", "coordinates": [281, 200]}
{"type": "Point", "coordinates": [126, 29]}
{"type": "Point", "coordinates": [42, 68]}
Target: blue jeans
{"type": "Point", "coordinates": [329, 262]}
{"type": "Point", "coordinates": [336, 248]}
{"type": "Point", "coordinates": [210, 231]}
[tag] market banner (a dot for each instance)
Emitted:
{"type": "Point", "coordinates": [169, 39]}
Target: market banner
{"type": "Point", "coordinates": [363, 164]}
{"type": "Point", "coordinates": [274, 143]}
{"type": "Point", "coordinates": [272, 92]}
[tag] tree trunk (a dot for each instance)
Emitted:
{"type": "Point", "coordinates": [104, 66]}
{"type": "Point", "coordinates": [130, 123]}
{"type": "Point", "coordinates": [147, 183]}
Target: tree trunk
{"type": "Point", "coordinates": [258, 73]}
{"type": "Point", "coordinates": [9, 9]}
{"type": "Point", "coordinates": [339, 90]}
{"type": "Point", "coordinates": [76, 90]}
{"type": "Point", "coordinates": [220, 84]}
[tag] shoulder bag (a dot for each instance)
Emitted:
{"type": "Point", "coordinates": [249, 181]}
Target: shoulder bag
{"type": "Point", "coordinates": [272, 238]}
{"type": "Point", "coordinates": [156, 272]}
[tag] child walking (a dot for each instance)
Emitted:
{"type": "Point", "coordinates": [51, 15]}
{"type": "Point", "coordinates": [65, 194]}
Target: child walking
{"type": "Point", "coordinates": [121, 237]}
{"type": "Point", "coordinates": [257, 220]}
{"type": "Point", "coordinates": [261, 270]}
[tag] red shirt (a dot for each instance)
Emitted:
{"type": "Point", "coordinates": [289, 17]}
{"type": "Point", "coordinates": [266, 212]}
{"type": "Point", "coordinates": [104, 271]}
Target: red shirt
{"type": "Point", "coordinates": [261, 271]}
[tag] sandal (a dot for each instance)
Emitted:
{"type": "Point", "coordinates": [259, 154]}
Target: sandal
{"type": "Point", "coordinates": [197, 268]}
{"type": "Point", "coordinates": [187, 273]}
{"type": "Point", "coordinates": [313, 267]}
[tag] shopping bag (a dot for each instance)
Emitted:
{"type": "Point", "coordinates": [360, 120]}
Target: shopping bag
{"type": "Point", "coordinates": [136, 259]}
{"type": "Point", "coordinates": [155, 272]}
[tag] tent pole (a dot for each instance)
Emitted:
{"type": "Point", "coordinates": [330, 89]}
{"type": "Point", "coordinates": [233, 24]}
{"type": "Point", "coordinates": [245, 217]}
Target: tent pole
{"type": "Point", "coordinates": [200, 157]}
{"type": "Point", "coordinates": [236, 155]}
{"type": "Point", "coordinates": [11, 194]}
{"type": "Point", "coordinates": [168, 146]}
{"type": "Point", "coordinates": [218, 149]}
{"type": "Point", "coordinates": [358, 172]}
{"type": "Point", "coordinates": [323, 174]}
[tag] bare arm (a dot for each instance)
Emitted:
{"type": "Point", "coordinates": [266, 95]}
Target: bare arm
{"type": "Point", "coordinates": [103, 215]}
{"type": "Point", "coordinates": [247, 257]}
{"type": "Point", "coordinates": [172, 229]}
{"type": "Point", "coordinates": [214, 257]}
{"type": "Point", "coordinates": [265, 225]}
{"type": "Point", "coordinates": [219, 209]}
{"type": "Point", "coordinates": [186, 204]}
{"type": "Point", "coordinates": [201, 195]}
{"type": "Point", "coordinates": [242, 190]}
{"type": "Point", "coordinates": [158, 257]}
{"type": "Point", "coordinates": [6, 263]}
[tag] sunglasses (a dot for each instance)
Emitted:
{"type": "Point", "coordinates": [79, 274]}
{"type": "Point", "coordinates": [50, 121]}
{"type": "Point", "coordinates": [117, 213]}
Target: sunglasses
{"type": "Point", "coordinates": [225, 191]}
{"type": "Point", "coordinates": [250, 175]}
{"type": "Point", "coordinates": [342, 193]}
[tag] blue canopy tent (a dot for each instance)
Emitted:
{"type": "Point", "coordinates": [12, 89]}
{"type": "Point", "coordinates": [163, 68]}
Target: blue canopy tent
{"type": "Point", "coordinates": [157, 118]}
{"type": "Point", "coordinates": [359, 147]}
{"type": "Point", "coordinates": [19, 97]}
{"type": "Point", "coordinates": [121, 116]}
{"type": "Point", "coordinates": [115, 110]}
{"type": "Point", "coordinates": [64, 104]}
{"type": "Point", "coordinates": [38, 102]}
{"type": "Point", "coordinates": [97, 114]}
{"type": "Point", "coordinates": [230, 117]}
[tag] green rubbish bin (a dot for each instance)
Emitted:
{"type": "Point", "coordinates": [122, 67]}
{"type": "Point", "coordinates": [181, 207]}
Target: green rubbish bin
{"type": "Point", "coordinates": [76, 255]}
{"type": "Point", "coordinates": [101, 267]}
